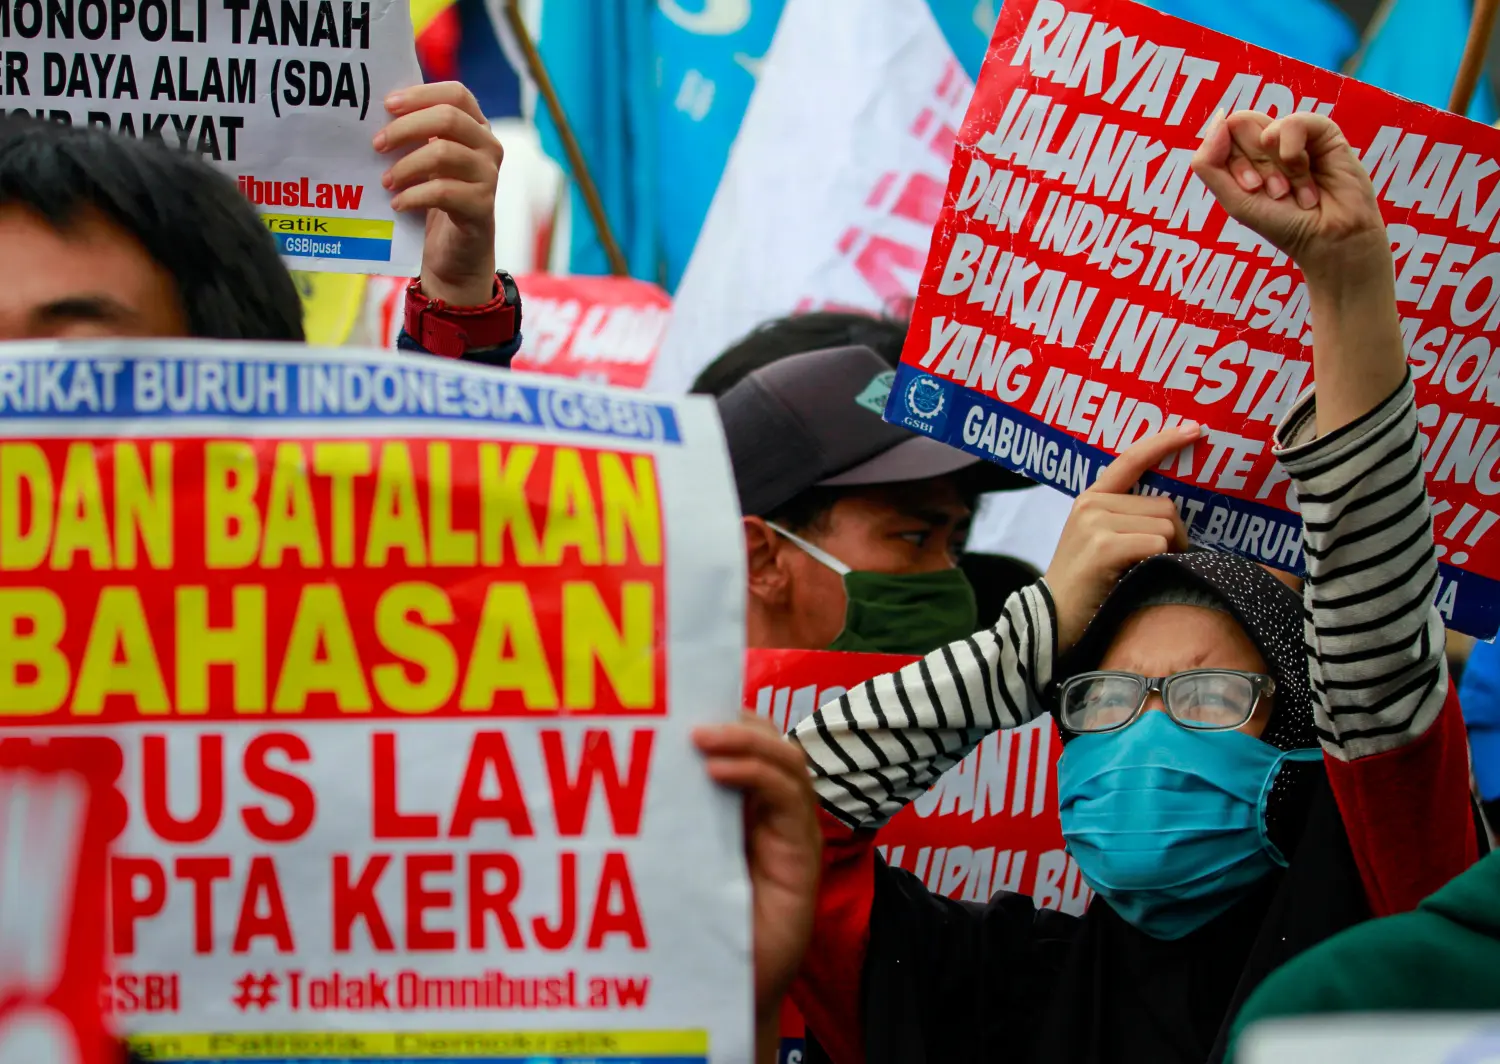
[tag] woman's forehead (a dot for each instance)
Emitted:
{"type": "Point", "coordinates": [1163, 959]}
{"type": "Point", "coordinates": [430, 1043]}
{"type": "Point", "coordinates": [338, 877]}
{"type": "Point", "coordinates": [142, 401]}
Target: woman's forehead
{"type": "Point", "coordinates": [1161, 640]}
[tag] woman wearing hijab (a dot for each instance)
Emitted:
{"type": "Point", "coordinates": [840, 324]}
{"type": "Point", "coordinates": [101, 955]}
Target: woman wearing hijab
{"type": "Point", "coordinates": [1245, 773]}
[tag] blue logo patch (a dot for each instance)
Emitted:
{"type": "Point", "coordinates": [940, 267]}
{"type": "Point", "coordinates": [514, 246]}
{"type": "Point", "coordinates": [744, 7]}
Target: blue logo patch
{"type": "Point", "coordinates": [925, 398]}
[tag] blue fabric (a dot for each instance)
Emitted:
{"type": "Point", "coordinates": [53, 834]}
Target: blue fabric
{"type": "Point", "coordinates": [599, 56]}
{"type": "Point", "coordinates": [656, 93]}
{"type": "Point", "coordinates": [1416, 53]}
{"type": "Point", "coordinates": [482, 66]}
{"type": "Point", "coordinates": [1314, 31]}
{"type": "Point", "coordinates": [1479, 695]}
{"type": "Point", "coordinates": [1168, 824]}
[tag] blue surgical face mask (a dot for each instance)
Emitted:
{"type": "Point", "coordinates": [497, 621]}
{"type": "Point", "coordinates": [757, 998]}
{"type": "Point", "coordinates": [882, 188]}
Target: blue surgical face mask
{"type": "Point", "coordinates": [1168, 824]}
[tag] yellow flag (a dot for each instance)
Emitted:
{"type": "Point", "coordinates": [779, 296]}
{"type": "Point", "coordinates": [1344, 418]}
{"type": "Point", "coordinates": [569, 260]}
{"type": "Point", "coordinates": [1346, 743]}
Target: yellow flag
{"type": "Point", "coordinates": [330, 305]}
{"type": "Point", "coordinates": [424, 11]}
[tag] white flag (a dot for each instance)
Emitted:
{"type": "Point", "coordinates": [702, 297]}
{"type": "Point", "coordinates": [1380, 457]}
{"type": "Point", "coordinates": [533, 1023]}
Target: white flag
{"type": "Point", "coordinates": [834, 182]}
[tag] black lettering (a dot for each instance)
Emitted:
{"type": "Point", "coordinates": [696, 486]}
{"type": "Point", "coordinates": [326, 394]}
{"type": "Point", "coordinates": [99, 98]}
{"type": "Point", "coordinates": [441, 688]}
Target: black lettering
{"type": "Point", "coordinates": [360, 23]}
{"type": "Point", "coordinates": [325, 27]}
{"type": "Point", "coordinates": [125, 82]}
{"type": "Point", "coordinates": [99, 120]}
{"type": "Point", "coordinates": [180, 34]}
{"type": "Point", "coordinates": [231, 125]}
{"type": "Point", "coordinates": [295, 91]}
{"type": "Point", "coordinates": [31, 27]}
{"type": "Point", "coordinates": [157, 31]}
{"type": "Point", "coordinates": [162, 85]}
{"type": "Point", "coordinates": [78, 77]}
{"type": "Point", "coordinates": [55, 74]}
{"type": "Point", "coordinates": [60, 19]}
{"type": "Point", "coordinates": [208, 141]}
{"type": "Point", "coordinates": [262, 26]}
{"type": "Point", "coordinates": [343, 90]}
{"type": "Point", "coordinates": [93, 18]}
{"type": "Point", "coordinates": [183, 83]}
{"type": "Point", "coordinates": [102, 66]}
{"type": "Point", "coordinates": [294, 22]}
{"type": "Point", "coordinates": [320, 89]}
{"type": "Point", "coordinates": [212, 89]}
{"type": "Point", "coordinates": [236, 9]}
{"type": "Point", "coordinates": [15, 74]}
{"type": "Point", "coordinates": [152, 130]}
{"type": "Point", "coordinates": [123, 12]}
{"type": "Point", "coordinates": [241, 80]}
{"type": "Point", "coordinates": [184, 131]}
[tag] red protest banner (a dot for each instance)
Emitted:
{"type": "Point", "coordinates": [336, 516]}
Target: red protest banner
{"type": "Point", "coordinates": [603, 329]}
{"type": "Point", "coordinates": [56, 828]}
{"type": "Point", "coordinates": [989, 824]}
{"type": "Point", "coordinates": [551, 601]}
{"type": "Point", "coordinates": [1083, 288]}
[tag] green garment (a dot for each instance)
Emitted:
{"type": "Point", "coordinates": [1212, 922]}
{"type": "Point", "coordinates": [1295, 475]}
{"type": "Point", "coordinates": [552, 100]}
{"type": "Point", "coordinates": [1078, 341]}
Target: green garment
{"type": "Point", "coordinates": [1445, 955]}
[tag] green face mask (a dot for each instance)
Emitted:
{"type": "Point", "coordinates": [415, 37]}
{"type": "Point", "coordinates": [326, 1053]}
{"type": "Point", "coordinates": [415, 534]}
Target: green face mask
{"type": "Point", "coordinates": [898, 613]}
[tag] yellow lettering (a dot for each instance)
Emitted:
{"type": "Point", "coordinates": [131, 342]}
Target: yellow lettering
{"type": "Point", "coordinates": [231, 523]}
{"type": "Point", "coordinates": [503, 504]}
{"type": "Point", "coordinates": [291, 523]}
{"type": "Point", "coordinates": [341, 463]}
{"type": "Point", "coordinates": [241, 646]}
{"type": "Point", "coordinates": [143, 508]}
{"type": "Point", "coordinates": [120, 658]}
{"type": "Point", "coordinates": [321, 625]}
{"type": "Point", "coordinates": [630, 504]}
{"type": "Point", "coordinates": [450, 546]}
{"type": "Point", "coordinates": [627, 654]}
{"type": "Point", "coordinates": [572, 520]}
{"type": "Point", "coordinates": [33, 650]}
{"type": "Point", "coordinates": [417, 643]}
{"type": "Point", "coordinates": [395, 520]}
{"type": "Point", "coordinates": [24, 469]}
{"type": "Point", "coordinates": [80, 512]}
{"type": "Point", "coordinates": [507, 617]}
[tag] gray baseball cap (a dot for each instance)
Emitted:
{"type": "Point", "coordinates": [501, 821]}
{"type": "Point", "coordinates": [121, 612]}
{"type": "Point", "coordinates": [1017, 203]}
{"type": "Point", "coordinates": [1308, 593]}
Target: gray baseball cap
{"type": "Point", "coordinates": [815, 419]}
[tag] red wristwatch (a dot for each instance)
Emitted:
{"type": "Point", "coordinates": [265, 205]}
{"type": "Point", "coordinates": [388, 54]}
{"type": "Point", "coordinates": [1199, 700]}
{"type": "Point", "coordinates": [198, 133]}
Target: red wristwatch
{"type": "Point", "coordinates": [452, 332]}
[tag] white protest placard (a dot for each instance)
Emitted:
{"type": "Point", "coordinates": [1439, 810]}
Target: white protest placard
{"type": "Point", "coordinates": [1385, 1038]}
{"type": "Point", "coordinates": [284, 95]}
{"type": "Point", "coordinates": [398, 660]}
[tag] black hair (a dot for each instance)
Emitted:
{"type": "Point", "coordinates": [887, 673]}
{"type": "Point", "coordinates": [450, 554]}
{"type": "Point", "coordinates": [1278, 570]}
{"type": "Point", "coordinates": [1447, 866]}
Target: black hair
{"type": "Point", "coordinates": [797, 334]}
{"type": "Point", "coordinates": [190, 218]}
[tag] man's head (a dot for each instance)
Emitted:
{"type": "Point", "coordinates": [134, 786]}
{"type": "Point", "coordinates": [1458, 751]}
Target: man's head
{"type": "Point", "coordinates": [797, 334]}
{"type": "Point", "coordinates": [108, 236]}
{"type": "Point", "coordinates": [817, 467]}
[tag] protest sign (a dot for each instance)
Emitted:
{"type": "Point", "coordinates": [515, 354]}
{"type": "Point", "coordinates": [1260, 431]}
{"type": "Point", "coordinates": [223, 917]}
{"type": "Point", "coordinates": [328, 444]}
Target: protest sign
{"type": "Point", "coordinates": [54, 835]}
{"type": "Point", "coordinates": [833, 184]}
{"type": "Point", "coordinates": [601, 329]}
{"type": "Point", "coordinates": [988, 824]}
{"type": "Point", "coordinates": [1371, 1038]}
{"type": "Point", "coordinates": [400, 657]}
{"type": "Point", "coordinates": [284, 95]}
{"type": "Point", "coordinates": [1083, 288]}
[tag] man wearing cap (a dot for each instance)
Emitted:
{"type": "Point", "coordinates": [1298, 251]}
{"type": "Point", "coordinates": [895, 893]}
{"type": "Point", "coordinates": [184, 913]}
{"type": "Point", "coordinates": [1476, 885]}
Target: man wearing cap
{"type": "Point", "coordinates": [852, 525]}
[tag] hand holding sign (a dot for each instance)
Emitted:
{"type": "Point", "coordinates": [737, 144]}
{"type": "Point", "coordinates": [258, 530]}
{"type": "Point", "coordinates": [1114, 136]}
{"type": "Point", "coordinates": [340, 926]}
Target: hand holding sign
{"type": "Point", "coordinates": [451, 172]}
{"type": "Point", "coordinates": [1110, 530]}
{"type": "Point", "coordinates": [783, 845]}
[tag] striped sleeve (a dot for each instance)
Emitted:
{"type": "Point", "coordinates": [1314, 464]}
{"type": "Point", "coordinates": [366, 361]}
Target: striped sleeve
{"type": "Point", "coordinates": [1375, 642]}
{"type": "Point", "coordinates": [886, 742]}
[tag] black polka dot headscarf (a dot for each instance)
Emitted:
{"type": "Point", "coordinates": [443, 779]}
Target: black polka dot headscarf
{"type": "Point", "coordinates": [1270, 613]}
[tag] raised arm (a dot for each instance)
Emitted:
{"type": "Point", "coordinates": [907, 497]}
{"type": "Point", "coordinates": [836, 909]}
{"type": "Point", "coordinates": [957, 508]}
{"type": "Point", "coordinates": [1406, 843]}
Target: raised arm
{"type": "Point", "coordinates": [883, 744]}
{"type": "Point", "coordinates": [1375, 641]}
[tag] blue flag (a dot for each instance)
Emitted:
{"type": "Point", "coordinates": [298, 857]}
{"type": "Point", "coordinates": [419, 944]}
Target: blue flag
{"type": "Point", "coordinates": [1416, 50]}
{"type": "Point", "coordinates": [1314, 31]}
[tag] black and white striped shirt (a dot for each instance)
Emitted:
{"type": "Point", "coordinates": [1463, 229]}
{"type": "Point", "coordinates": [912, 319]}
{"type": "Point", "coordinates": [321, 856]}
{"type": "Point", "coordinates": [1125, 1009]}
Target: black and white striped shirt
{"type": "Point", "coordinates": [1375, 643]}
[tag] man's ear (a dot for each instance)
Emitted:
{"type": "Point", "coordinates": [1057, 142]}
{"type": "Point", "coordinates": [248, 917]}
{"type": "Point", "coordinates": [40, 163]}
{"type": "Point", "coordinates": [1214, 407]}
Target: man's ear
{"type": "Point", "coordinates": [766, 575]}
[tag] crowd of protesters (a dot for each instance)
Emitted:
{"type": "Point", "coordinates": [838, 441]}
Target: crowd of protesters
{"type": "Point", "coordinates": [1267, 786]}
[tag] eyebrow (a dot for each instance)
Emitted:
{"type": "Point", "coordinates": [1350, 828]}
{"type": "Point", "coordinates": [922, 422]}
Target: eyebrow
{"type": "Point", "coordinates": [938, 517]}
{"type": "Point", "coordinates": [85, 308]}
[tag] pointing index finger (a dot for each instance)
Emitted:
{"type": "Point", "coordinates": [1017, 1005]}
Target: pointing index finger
{"type": "Point", "coordinates": [1125, 471]}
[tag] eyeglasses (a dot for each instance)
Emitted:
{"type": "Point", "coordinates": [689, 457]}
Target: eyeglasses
{"type": "Point", "coordinates": [1199, 699]}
